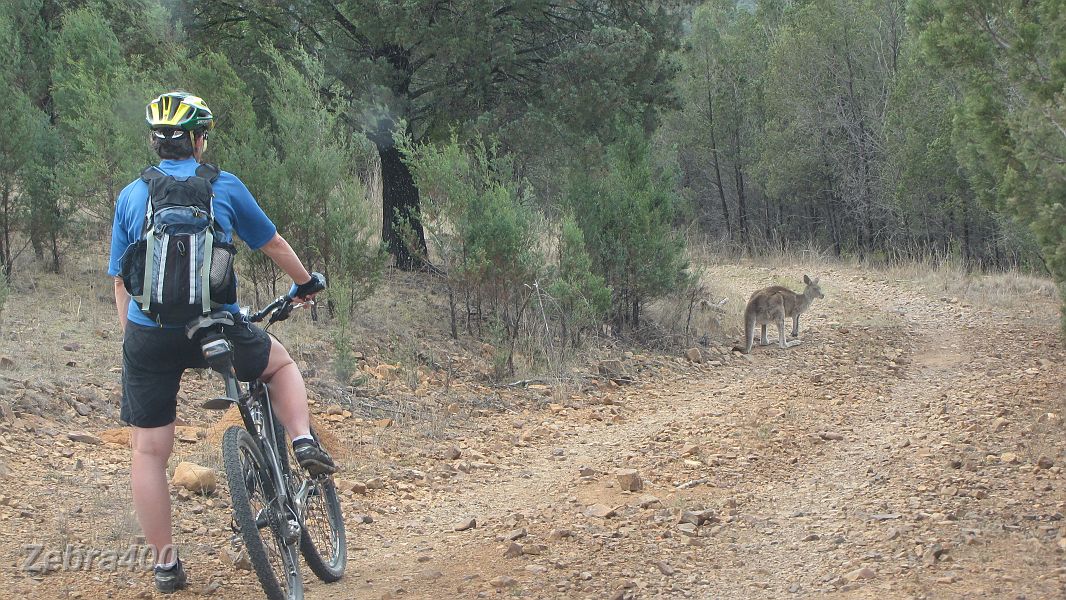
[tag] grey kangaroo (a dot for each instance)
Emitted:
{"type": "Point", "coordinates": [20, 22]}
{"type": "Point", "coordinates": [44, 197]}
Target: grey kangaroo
{"type": "Point", "coordinates": [772, 305]}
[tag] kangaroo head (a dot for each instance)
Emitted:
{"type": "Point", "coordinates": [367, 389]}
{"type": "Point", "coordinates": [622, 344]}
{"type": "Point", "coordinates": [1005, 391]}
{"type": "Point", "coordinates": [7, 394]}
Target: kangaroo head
{"type": "Point", "coordinates": [812, 290]}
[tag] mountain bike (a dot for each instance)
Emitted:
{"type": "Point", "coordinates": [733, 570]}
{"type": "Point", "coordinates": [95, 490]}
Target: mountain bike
{"type": "Point", "coordinates": [278, 509]}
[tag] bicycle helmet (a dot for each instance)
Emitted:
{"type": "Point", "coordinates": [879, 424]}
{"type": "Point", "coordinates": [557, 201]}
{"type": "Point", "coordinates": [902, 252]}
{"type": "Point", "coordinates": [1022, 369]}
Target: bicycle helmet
{"type": "Point", "coordinates": [178, 110]}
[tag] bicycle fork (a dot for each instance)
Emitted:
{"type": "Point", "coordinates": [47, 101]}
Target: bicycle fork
{"type": "Point", "coordinates": [288, 519]}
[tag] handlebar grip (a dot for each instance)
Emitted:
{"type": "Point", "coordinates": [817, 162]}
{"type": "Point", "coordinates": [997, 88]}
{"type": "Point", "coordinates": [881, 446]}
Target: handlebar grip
{"type": "Point", "coordinates": [315, 285]}
{"type": "Point", "coordinates": [259, 316]}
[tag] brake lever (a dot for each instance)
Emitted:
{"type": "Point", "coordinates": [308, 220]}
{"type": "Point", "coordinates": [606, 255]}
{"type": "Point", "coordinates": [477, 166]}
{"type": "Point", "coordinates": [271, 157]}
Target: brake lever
{"type": "Point", "coordinates": [285, 311]}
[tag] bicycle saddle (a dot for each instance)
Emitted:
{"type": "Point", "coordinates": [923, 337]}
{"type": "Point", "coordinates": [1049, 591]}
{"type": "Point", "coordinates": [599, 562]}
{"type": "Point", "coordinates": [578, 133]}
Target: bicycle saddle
{"type": "Point", "coordinates": [206, 322]}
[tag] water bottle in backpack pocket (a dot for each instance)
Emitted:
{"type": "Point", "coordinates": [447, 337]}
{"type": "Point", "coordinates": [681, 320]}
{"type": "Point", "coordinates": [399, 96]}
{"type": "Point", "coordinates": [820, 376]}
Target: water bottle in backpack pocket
{"type": "Point", "coordinates": [179, 268]}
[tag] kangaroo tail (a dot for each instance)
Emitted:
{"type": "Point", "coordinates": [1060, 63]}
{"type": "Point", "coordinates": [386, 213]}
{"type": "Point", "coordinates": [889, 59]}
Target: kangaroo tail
{"type": "Point", "coordinates": [749, 332]}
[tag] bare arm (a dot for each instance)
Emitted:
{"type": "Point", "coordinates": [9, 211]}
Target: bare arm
{"type": "Point", "coordinates": [122, 302]}
{"type": "Point", "coordinates": [279, 251]}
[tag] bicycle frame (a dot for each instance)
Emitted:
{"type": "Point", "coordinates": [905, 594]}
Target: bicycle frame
{"type": "Point", "coordinates": [258, 417]}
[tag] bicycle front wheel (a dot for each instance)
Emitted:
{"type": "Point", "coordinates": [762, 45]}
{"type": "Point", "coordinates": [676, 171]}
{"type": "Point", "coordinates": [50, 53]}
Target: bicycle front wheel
{"type": "Point", "coordinates": [252, 495]}
{"type": "Point", "coordinates": [322, 542]}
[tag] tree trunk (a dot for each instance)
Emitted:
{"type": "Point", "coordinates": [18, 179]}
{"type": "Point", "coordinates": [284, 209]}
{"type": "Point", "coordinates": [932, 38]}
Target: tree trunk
{"type": "Point", "coordinates": [866, 202]}
{"type": "Point", "coordinates": [55, 252]}
{"type": "Point", "coordinates": [401, 229]}
{"type": "Point", "coordinates": [5, 250]}
{"type": "Point", "coordinates": [769, 225]}
{"type": "Point", "coordinates": [717, 168]}
{"type": "Point", "coordinates": [738, 174]}
{"type": "Point", "coordinates": [742, 205]}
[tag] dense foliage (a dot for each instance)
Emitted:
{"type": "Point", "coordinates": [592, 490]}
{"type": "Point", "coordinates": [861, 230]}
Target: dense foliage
{"type": "Point", "coordinates": [548, 154]}
{"type": "Point", "coordinates": [418, 69]}
{"type": "Point", "coordinates": [824, 124]}
{"type": "Point", "coordinates": [1008, 60]}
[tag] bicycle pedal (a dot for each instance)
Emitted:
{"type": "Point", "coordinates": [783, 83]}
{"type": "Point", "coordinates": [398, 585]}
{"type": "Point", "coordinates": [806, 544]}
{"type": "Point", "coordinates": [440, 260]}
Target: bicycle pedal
{"type": "Point", "coordinates": [217, 404]}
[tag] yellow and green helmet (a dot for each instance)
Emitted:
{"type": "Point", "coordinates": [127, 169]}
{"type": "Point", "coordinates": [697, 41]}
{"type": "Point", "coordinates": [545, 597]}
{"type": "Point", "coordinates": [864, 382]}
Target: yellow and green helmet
{"type": "Point", "coordinates": [179, 110]}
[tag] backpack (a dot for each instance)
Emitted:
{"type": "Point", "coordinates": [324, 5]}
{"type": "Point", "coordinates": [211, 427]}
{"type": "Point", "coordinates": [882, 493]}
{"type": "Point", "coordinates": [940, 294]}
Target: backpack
{"type": "Point", "coordinates": [179, 269]}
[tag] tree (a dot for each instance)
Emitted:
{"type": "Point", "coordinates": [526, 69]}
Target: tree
{"type": "Point", "coordinates": [935, 209]}
{"type": "Point", "coordinates": [24, 130]}
{"type": "Point", "coordinates": [314, 191]}
{"type": "Point", "coordinates": [724, 64]}
{"type": "Point", "coordinates": [483, 228]}
{"type": "Point", "coordinates": [830, 72]}
{"type": "Point", "coordinates": [416, 69]}
{"type": "Point", "coordinates": [581, 295]}
{"type": "Point", "coordinates": [1008, 58]}
{"type": "Point", "coordinates": [100, 113]}
{"type": "Point", "coordinates": [627, 210]}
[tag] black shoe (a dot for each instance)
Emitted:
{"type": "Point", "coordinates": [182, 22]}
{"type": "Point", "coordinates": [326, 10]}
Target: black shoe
{"type": "Point", "coordinates": [170, 580]}
{"type": "Point", "coordinates": [313, 458]}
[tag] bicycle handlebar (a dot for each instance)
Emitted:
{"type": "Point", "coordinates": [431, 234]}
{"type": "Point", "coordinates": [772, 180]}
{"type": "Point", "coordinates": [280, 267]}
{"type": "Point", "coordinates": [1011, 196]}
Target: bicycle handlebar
{"type": "Point", "coordinates": [282, 306]}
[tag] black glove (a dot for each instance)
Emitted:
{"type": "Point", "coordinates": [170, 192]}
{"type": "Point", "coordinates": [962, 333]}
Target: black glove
{"type": "Point", "coordinates": [315, 285]}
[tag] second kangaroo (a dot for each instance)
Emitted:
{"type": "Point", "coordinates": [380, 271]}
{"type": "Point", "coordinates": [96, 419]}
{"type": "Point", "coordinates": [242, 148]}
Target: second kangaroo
{"type": "Point", "coordinates": [772, 305]}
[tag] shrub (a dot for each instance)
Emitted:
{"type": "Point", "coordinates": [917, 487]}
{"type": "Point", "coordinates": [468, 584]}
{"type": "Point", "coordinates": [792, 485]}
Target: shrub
{"type": "Point", "coordinates": [626, 209]}
{"type": "Point", "coordinates": [313, 192]}
{"type": "Point", "coordinates": [481, 226]}
{"type": "Point", "coordinates": [581, 296]}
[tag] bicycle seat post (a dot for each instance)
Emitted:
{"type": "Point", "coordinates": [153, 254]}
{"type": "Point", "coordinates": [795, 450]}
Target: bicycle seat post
{"type": "Point", "coordinates": [218, 352]}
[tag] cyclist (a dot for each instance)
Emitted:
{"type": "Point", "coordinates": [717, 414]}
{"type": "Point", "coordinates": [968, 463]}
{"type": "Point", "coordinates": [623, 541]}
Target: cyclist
{"type": "Point", "coordinates": [154, 357]}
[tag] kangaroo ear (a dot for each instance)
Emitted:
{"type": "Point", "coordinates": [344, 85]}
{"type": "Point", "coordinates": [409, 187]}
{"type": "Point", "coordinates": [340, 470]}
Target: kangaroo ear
{"type": "Point", "coordinates": [806, 280]}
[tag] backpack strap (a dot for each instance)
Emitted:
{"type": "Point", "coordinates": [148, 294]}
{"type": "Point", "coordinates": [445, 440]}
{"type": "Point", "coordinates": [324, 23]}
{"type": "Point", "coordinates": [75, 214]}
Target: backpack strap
{"type": "Point", "coordinates": [151, 172]}
{"type": "Point", "coordinates": [208, 171]}
{"type": "Point", "coordinates": [147, 175]}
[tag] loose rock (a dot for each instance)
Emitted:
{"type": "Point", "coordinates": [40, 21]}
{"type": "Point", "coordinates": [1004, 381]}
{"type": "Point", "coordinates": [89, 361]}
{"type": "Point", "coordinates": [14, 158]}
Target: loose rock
{"type": "Point", "coordinates": [84, 438]}
{"type": "Point", "coordinates": [465, 524]}
{"type": "Point", "coordinates": [664, 568]}
{"type": "Point", "coordinates": [629, 480]}
{"type": "Point", "coordinates": [601, 511]}
{"type": "Point", "coordinates": [503, 581]}
{"type": "Point", "coordinates": [863, 573]}
{"type": "Point", "coordinates": [237, 560]}
{"type": "Point", "coordinates": [195, 478]}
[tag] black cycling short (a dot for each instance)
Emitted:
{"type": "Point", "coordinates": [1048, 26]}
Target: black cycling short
{"type": "Point", "coordinates": [153, 359]}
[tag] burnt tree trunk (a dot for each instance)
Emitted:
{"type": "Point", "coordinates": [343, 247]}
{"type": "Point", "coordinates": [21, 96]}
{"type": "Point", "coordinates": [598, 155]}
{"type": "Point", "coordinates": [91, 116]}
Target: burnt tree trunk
{"type": "Point", "coordinates": [401, 229]}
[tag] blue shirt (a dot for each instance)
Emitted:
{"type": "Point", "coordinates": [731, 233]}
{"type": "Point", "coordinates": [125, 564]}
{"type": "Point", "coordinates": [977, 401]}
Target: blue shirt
{"type": "Point", "coordinates": [236, 212]}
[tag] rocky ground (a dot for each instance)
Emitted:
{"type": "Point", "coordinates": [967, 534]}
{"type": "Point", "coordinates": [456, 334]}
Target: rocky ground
{"type": "Point", "coordinates": [911, 447]}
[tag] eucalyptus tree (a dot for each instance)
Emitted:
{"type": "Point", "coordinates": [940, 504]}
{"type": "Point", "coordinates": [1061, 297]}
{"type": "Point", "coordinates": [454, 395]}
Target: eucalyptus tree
{"type": "Point", "coordinates": [1008, 58]}
{"type": "Point", "coordinates": [417, 69]}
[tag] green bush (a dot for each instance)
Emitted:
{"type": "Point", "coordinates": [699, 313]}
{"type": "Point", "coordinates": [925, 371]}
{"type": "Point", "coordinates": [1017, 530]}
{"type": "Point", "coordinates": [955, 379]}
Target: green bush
{"type": "Point", "coordinates": [580, 294]}
{"type": "Point", "coordinates": [481, 227]}
{"type": "Point", "coordinates": [626, 210]}
{"type": "Point", "coordinates": [312, 190]}
{"type": "Point", "coordinates": [340, 296]}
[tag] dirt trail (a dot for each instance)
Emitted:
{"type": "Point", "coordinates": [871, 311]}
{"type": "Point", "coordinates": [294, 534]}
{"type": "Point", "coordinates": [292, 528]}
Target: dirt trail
{"type": "Point", "coordinates": [866, 462]}
{"type": "Point", "coordinates": [911, 447]}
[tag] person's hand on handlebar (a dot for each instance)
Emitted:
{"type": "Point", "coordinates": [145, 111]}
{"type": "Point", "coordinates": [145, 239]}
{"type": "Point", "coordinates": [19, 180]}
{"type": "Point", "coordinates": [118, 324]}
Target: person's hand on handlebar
{"type": "Point", "coordinates": [305, 292]}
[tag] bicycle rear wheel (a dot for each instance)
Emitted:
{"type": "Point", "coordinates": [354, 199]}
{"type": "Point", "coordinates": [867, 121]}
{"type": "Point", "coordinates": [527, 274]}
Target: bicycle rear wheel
{"type": "Point", "coordinates": [275, 562]}
{"type": "Point", "coordinates": [323, 542]}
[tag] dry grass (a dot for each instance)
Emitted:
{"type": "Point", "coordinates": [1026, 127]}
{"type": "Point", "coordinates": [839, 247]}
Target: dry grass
{"type": "Point", "coordinates": [1011, 289]}
{"type": "Point", "coordinates": [937, 277]}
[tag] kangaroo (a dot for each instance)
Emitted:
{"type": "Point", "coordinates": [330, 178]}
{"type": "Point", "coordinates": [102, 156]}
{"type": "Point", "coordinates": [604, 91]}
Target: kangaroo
{"type": "Point", "coordinates": [772, 305]}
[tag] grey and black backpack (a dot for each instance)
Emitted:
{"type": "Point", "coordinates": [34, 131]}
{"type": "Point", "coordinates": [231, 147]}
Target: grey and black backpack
{"type": "Point", "coordinates": [180, 268]}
